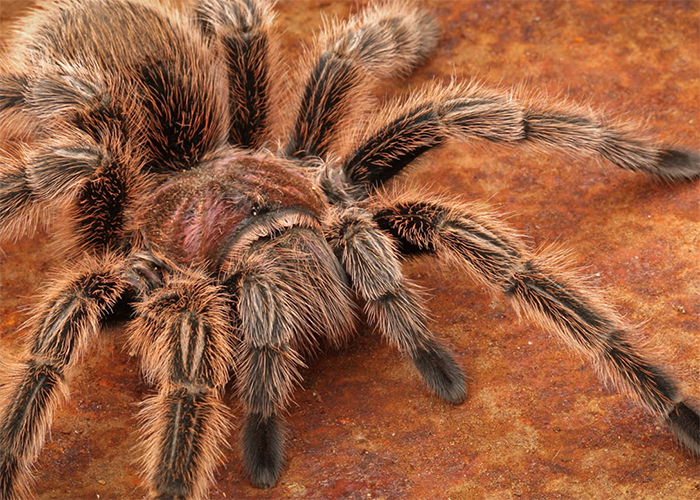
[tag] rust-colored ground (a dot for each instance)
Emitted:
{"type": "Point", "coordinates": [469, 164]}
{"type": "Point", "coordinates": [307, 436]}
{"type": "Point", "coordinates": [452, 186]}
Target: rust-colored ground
{"type": "Point", "coordinates": [537, 423]}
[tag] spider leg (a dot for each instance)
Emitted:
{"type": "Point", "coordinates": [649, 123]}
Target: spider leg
{"type": "Point", "coordinates": [243, 28]}
{"type": "Point", "coordinates": [391, 300]}
{"type": "Point", "coordinates": [290, 291]}
{"type": "Point", "coordinates": [184, 337]}
{"type": "Point", "coordinates": [386, 40]}
{"type": "Point", "coordinates": [81, 165]}
{"type": "Point", "coordinates": [407, 129]}
{"type": "Point", "coordinates": [62, 327]}
{"type": "Point", "coordinates": [54, 172]}
{"type": "Point", "coordinates": [21, 199]}
{"type": "Point", "coordinates": [558, 300]}
{"type": "Point", "coordinates": [269, 369]}
{"type": "Point", "coordinates": [91, 184]}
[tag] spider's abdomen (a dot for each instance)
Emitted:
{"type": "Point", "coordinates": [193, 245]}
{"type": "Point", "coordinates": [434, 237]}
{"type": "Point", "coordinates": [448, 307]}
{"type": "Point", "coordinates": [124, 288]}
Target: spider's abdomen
{"type": "Point", "coordinates": [200, 215]}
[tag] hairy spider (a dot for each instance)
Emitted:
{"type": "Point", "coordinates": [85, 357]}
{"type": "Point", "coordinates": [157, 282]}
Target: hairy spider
{"type": "Point", "coordinates": [154, 155]}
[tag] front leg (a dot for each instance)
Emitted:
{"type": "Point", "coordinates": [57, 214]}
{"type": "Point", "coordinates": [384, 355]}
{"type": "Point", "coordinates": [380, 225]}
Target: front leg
{"type": "Point", "coordinates": [407, 128]}
{"type": "Point", "coordinates": [290, 293]}
{"type": "Point", "coordinates": [61, 329]}
{"type": "Point", "coordinates": [184, 338]}
{"type": "Point", "coordinates": [268, 368]}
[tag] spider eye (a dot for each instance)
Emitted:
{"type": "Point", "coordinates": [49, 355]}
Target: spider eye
{"type": "Point", "coordinates": [255, 209]}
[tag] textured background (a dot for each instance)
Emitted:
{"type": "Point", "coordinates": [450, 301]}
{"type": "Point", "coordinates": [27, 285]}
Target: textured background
{"type": "Point", "coordinates": [537, 423]}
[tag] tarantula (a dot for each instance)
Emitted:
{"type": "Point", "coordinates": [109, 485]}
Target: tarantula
{"type": "Point", "coordinates": [155, 156]}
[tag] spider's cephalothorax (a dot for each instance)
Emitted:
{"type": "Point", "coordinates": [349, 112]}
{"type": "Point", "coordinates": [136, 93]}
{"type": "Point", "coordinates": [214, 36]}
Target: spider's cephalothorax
{"type": "Point", "coordinates": [153, 134]}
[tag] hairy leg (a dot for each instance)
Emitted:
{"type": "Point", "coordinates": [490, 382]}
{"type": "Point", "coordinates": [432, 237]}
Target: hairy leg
{"type": "Point", "coordinates": [86, 185]}
{"type": "Point", "coordinates": [539, 285]}
{"type": "Point", "coordinates": [407, 128]}
{"type": "Point", "coordinates": [81, 167]}
{"type": "Point", "coordinates": [61, 329]}
{"type": "Point", "coordinates": [185, 340]}
{"type": "Point", "coordinates": [243, 29]}
{"type": "Point", "coordinates": [391, 301]}
{"type": "Point", "coordinates": [384, 41]}
{"type": "Point", "coordinates": [291, 292]}
{"type": "Point", "coordinates": [54, 168]}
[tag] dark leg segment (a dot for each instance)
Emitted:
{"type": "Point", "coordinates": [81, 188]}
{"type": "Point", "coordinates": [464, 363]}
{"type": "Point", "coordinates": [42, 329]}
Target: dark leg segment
{"type": "Point", "coordinates": [323, 105]}
{"type": "Point", "coordinates": [392, 302]}
{"type": "Point", "coordinates": [394, 146]}
{"type": "Point", "coordinates": [407, 130]}
{"type": "Point", "coordinates": [61, 330]}
{"type": "Point", "coordinates": [185, 112]}
{"type": "Point", "coordinates": [555, 299]}
{"type": "Point", "coordinates": [184, 338]}
{"type": "Point", "coordinates": [270, 373]}
{"type": "Point", "coordinates": [263, 448]}
{"type": "Point", "coordinates": [243, 29]}
{"type": "Point", "coordinates": [100, 205]}
{"type": "Point", "coordinates": [93, 182]}
{"type": "Point", "coordinates": [385, 41]}
{"type": "Point", "coordinates": [684, 421]}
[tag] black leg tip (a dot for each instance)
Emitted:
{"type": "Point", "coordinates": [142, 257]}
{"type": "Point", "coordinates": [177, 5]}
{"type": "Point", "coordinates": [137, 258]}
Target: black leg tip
{"type": "Point", "coordinates": [263, 449]}
{"type": "Point", "coordinates": [679, 164]}
{"type": "Point", "coordinates": [684, 421]}
{"type": "Point", "coordinates": [441, 372]}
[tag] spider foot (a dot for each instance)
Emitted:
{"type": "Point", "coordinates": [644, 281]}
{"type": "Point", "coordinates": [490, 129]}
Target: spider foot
{"type": "Point", "coordinates": [679, 164]}
{"type": "Point", "coordinates": [684, 421]}
{"type": "Point", "coordinates": [263, 449]}
{"type": "Point", "coordinates": [441, 372]}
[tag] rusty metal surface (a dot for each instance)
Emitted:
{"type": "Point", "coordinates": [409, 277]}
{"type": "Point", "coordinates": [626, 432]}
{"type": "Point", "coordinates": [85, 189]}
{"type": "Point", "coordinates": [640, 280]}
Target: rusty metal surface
{"type": "Point", "coordinates": [537, 423]}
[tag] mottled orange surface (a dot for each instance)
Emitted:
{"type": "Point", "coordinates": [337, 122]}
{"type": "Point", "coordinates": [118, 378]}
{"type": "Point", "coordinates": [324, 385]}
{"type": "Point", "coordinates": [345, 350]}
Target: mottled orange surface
{"type": "Point", "coordinates": [537, 423]}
